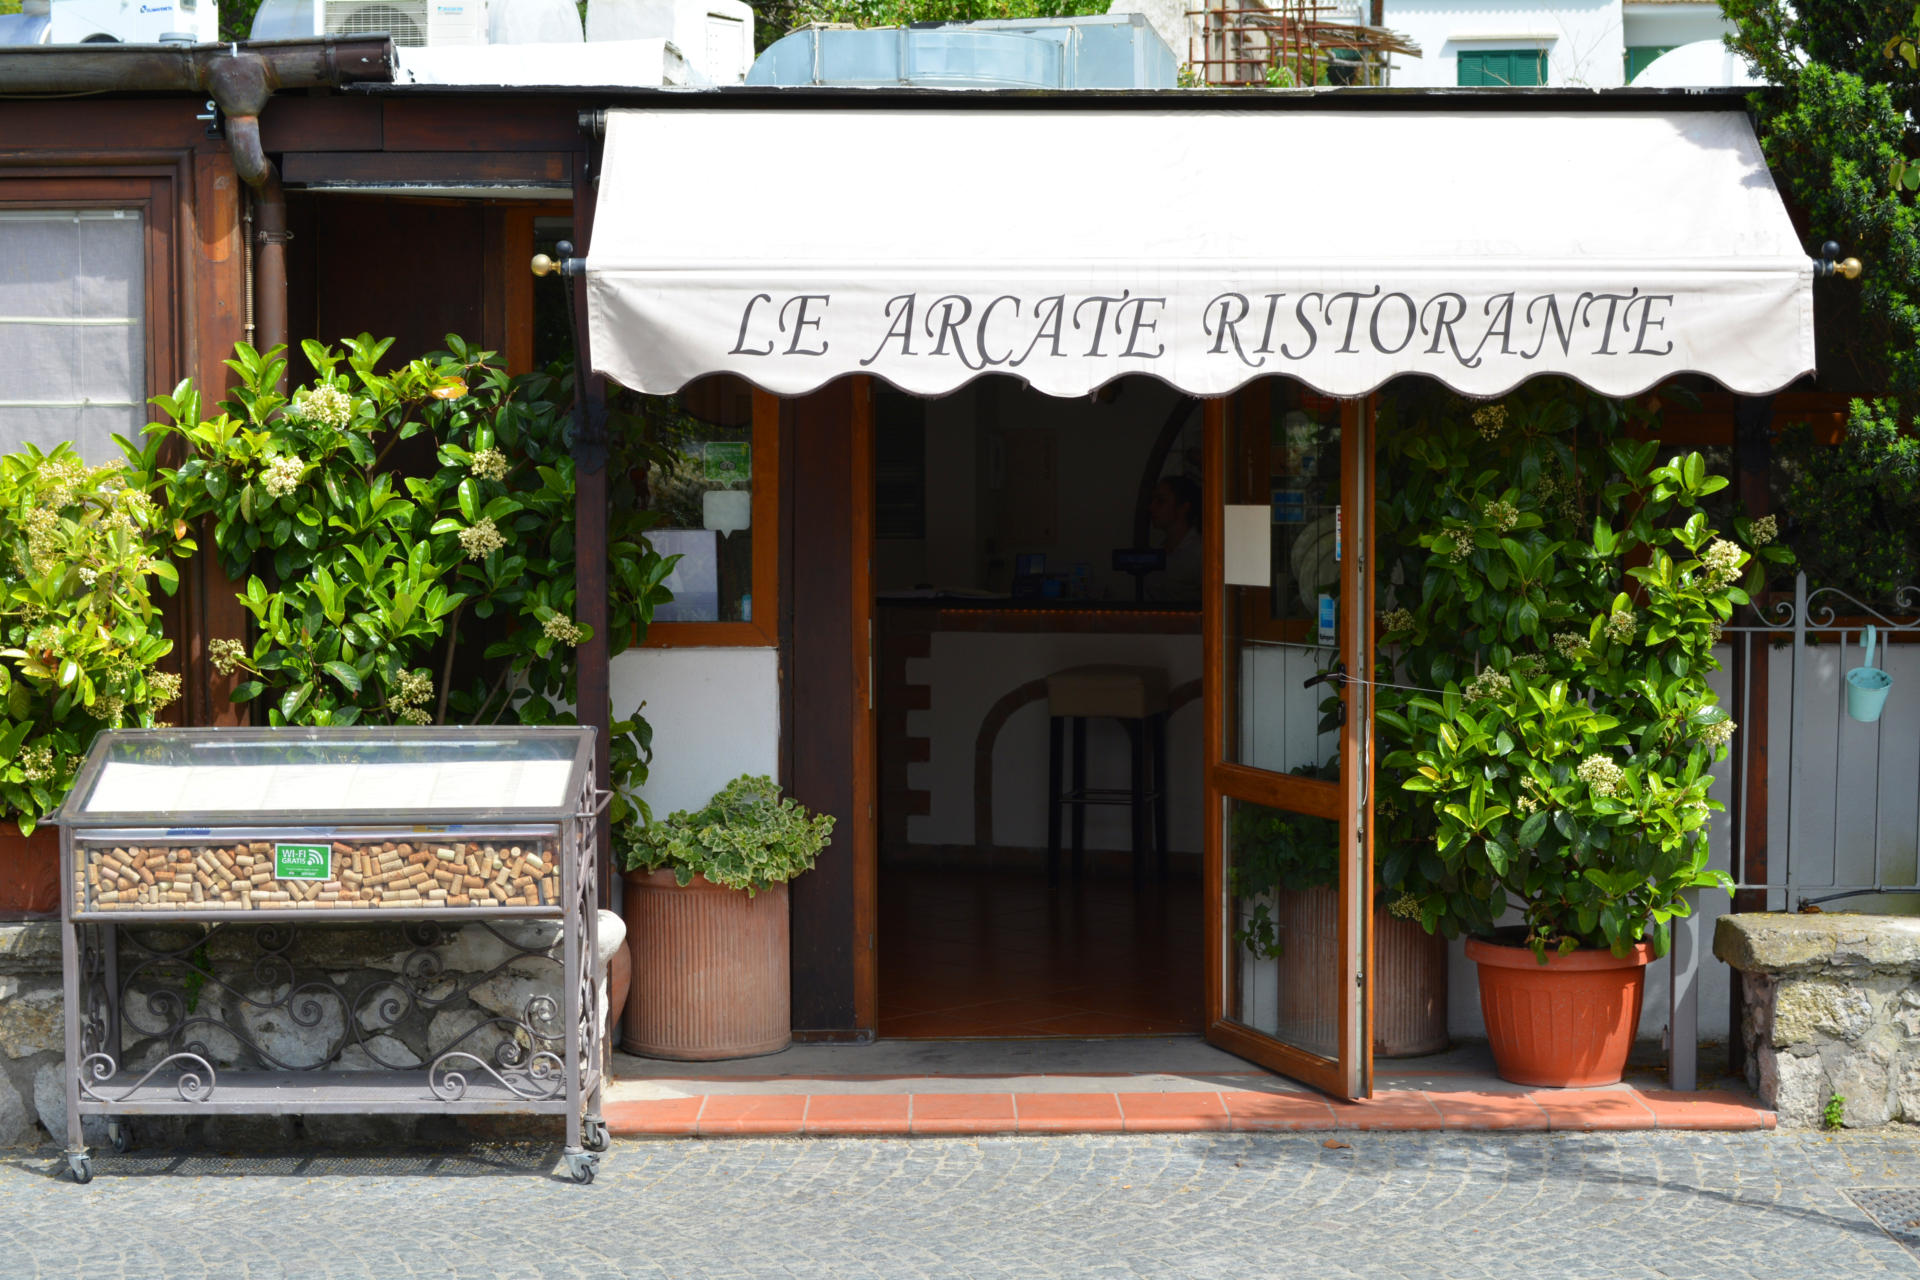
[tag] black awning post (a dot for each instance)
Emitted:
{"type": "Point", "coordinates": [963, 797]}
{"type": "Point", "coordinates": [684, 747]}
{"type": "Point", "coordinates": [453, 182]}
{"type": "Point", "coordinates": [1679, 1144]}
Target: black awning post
{"type": "Point", "coordinates": [592, 660]}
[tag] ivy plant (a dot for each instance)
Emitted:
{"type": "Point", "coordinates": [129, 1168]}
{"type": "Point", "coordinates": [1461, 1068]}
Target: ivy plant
{"type": "Point", "coordinates": [1561, 592]}
{"type": "Point", "coordinates": [406, 540]}
{"type": "Point", "coordinates": [81, 548]}
{"type": "Point", "coordinates": [746, 837]}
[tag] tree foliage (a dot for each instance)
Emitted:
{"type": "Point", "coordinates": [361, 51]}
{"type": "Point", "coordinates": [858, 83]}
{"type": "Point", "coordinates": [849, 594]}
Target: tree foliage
{"type": "Point", "coordinates": [1839, 132]}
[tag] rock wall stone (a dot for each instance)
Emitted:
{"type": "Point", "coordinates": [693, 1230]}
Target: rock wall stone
{"type": "Point", "coordinates": [1832, 1008]}
{"type": "Point", "coordinates": [407, 1008]}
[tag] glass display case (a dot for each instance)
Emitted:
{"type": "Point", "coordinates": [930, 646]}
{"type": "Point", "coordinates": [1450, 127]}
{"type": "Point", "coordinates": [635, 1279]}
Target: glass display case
{"type": "Point", "coordinates": [195, 863]}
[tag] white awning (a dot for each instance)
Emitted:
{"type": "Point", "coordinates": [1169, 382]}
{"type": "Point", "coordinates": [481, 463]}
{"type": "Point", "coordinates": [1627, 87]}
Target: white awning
{"type": "Point", "coordinates": [1069, 247]}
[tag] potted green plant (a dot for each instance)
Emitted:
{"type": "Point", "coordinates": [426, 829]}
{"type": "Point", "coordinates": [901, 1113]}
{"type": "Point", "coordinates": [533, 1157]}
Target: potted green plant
{"type": "Point", "coordinates": [80, 638]}
{"type": "Point", "coordinates": [1283, 876]}
{"type": "Point", "coordinates": [706, 913]}
{"type": "Point", "coordinates": [1571, 593]}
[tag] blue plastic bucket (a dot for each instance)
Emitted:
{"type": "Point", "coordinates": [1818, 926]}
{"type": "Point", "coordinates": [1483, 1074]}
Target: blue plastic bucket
{"type": "Point", "coordinates": [1867, 685]}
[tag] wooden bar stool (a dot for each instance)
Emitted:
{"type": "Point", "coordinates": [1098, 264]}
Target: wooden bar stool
{"type": "Point", "coordinates": [1137, 698]}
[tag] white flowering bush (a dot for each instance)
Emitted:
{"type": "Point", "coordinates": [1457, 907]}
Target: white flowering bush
{"type": "Point", "coordinates": [81, 548]}
{"type": "Point", "coordinates": [405, 535]}
{"type": "Point", "coordinates": [1569, 595]}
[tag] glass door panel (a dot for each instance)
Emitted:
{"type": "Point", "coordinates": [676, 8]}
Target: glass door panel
{"type": "Point", "coordinates": [1281, 579]}
{"type": "Point", "coordinates": [1288, 863]}
{"type": "Point", "coordinates": [1284, 900]}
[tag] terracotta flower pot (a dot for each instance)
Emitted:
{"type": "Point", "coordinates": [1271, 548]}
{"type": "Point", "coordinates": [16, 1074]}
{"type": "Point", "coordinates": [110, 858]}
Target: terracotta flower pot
{"type": "Point", "coordinates": [1409, 988]}
{"type": "Point", "coordinates": [29, 870]}
{"type": "Point", "coordinates": [711, 970]}
{"type": "Point", "coordinates": [1566, 1023]}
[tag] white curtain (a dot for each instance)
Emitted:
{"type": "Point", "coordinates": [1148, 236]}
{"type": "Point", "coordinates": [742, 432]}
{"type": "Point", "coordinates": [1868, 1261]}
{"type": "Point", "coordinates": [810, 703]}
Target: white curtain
{"type": "Point", "coordinates": [72, 329]}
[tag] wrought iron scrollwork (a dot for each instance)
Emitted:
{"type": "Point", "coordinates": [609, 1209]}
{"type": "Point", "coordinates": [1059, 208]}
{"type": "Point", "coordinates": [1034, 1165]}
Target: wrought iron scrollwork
{"type": "Point", "coordinates": [195, 1084]}
{"type": "Point", "coordinates": [173, 993]}
{"type": "Point", "coordinates": [541, 1080]}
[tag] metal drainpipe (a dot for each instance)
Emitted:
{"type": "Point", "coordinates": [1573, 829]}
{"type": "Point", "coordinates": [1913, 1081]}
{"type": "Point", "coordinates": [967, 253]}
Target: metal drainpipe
{"type": "Point", "coordinates": [242, 85]}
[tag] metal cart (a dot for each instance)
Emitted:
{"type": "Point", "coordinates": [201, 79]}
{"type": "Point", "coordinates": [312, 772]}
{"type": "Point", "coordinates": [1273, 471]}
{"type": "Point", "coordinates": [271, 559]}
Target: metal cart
{"type": "Point", "coordinates": [207, 874]}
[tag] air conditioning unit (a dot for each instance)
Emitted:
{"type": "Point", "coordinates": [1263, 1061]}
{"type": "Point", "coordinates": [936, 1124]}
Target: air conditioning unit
{"type": "Point", "coordinates": [411, 23]}
{"type": "Point", "coordinates": [714, 36]}
{"type": "Point", "coordinates": [131, 21]}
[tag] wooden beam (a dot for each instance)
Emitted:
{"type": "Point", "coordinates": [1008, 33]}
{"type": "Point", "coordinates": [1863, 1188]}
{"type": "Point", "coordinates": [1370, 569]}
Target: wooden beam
{"type": "Point", "coordinates": [526, 168]}
{"type": "Point", "coordinates": [331, 123]}
{"type": "Point", "coordinates": [455, 124]}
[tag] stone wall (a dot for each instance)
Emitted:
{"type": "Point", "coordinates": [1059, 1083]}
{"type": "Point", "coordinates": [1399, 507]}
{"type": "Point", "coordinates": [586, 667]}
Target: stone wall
{"type": "Point", "coordinates": [288, 997]}
{"type": "Point", "coordinates": [32, 1029]}
{"type": "Point", "coordinates": [1832, 1007]}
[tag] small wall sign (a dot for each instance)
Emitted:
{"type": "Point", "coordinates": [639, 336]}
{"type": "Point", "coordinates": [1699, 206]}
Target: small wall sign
{"type": "Point", "coordinates": [728, 461]}
{"type": "Point", "coordinates": [302, 862]}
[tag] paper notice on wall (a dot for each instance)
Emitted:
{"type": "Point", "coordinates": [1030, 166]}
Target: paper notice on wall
{"type": "Point", "coordinates": [1248, 535]}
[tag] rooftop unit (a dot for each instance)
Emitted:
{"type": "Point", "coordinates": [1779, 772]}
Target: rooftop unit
{"type": "Point", "coordinates": [1104, 51]}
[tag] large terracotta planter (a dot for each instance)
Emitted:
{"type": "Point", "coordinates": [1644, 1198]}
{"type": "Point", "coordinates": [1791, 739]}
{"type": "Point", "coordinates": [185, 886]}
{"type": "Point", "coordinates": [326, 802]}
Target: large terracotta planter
{"type": "Point", "coordinates": [1409, 988]}
{"type": "Point", "coordinates": [1565, 1023]}
{"type": "Point", "coordinates": [29, 870]}
{"type": "Point", "coordinates": [711, 970]}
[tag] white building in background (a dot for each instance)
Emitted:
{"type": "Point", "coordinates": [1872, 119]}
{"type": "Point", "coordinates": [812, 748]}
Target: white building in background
{"type": "Point", "coordinates": [1585, 43]}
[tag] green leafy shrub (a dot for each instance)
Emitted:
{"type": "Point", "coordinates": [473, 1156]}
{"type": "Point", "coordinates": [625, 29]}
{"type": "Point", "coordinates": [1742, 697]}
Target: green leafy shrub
{"type": "Point", "coordinates": [747, 837]}
{"type": "Point", "coordinates": [1856, 504]}
{"type": "Point", "coordinates": [407, 543]}
{"type": "Point", "coordinates": [80, 635]}
{"type": "Point", "coordinates": [1561, 596]}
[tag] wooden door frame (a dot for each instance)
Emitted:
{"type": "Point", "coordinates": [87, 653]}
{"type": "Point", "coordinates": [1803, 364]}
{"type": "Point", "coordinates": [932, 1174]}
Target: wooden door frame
{"type": "Point", "coordinates": [866, 819]}
{"type": "Point", "coordinates": [1353, 1076]}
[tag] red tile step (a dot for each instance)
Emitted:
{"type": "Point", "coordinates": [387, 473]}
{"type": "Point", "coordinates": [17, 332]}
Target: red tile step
{"type": "Point", "coordinates": [1227, 1110]}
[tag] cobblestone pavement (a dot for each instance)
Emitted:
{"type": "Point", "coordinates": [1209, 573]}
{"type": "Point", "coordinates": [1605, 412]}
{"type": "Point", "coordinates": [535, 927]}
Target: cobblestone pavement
{"type": "Point", "coordinates": [1457, 1207]}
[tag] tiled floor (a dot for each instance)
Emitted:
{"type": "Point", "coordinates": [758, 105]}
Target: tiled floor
{"type": "Point", "coordinates": [1175, 1084]}
{"type": "Point", "coordinates": [993, 952]}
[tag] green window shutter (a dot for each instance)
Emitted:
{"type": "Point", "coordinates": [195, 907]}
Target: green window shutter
{"type": "Point", "coordinates": [1480, 67]}
{"type": "Point", "coordinates": [1639, 55]}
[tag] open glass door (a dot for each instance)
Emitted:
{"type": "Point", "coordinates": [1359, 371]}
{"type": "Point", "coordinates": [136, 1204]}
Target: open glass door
{"type": "Point", "coordinates": [1288, 614]}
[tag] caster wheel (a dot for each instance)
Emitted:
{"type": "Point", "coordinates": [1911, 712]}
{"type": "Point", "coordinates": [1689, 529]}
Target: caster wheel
{"type": "Point", "coordinates": [81, 1167]}
{"type": "Point", "coordinates": [121, 1138]}
{"type": "Point", "coordinates": [581, 1166]}
{"type": "Point", "coordinates": [597, 1138]}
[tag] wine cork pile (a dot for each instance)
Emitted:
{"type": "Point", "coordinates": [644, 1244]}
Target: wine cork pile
{"type": "Point", "coordinates": [240, 877]}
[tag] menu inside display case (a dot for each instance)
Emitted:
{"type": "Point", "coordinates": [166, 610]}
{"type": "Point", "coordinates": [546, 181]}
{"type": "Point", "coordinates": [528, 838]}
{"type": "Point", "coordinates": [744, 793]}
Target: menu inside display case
{"type": "Point", "coordinates": [211, 789]}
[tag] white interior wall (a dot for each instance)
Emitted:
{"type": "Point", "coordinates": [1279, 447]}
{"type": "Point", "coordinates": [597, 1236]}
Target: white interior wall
{"type": "Point", "coordinates": [1584, 41]}
{"type": "Point", "coordinates": [715, 715]}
